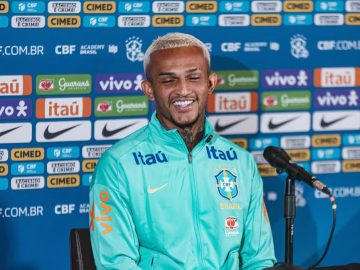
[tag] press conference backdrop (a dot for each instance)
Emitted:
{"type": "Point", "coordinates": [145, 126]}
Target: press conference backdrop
{"type": "Point", "coordinates": [70, 73]}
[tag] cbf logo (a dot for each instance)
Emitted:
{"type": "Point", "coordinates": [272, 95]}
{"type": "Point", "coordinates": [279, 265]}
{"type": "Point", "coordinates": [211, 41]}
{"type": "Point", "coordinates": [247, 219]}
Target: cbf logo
{"type": "Point", "coordinates": [133, 49]}
{"type": "Point", "coordinates": [298, 46]}
{"type": "Point", "coordinates": [226, 183]}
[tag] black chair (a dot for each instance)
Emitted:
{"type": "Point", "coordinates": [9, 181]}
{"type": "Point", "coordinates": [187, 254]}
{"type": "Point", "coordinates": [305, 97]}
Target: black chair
{"type": "Point", "coordinates": [81, 256]}
{"type": "Point", "coordinates": [352, 266]}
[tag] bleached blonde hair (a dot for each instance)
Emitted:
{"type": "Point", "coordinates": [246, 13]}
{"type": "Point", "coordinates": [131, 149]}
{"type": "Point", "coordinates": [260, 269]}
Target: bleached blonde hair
{"type": "Point", "coordinates": [174, 40]}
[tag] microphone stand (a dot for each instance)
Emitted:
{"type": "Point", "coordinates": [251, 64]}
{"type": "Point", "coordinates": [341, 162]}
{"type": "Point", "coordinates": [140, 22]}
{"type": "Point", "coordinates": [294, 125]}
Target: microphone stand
{"type": "Point", "coordinates": [289, 215]}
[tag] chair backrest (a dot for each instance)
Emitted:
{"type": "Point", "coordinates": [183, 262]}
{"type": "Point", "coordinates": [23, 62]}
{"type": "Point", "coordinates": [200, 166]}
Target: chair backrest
{"type": "Point", "coordinates": [351, 266]}
{"type": "Point", "coordinates": [81, 256]}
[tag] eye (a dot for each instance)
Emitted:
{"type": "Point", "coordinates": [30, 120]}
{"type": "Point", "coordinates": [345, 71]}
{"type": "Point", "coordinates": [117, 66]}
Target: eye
{"type": "Point", "coordinates": [194, 78]}
{"type": "Point", "coordinates": [167, 80]}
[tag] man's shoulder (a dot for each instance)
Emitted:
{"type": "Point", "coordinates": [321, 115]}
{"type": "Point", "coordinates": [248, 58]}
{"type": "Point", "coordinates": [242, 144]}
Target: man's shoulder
{"type": "Point", "coordinates": [225, 142]}
{"type": "Point", "coordinates": [134, 140]}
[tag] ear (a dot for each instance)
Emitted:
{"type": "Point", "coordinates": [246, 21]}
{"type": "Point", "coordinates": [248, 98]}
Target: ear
{"type": "Point", "coordinates": [147, 89]}
{"type": "Point", "coordinates": [212, 82]}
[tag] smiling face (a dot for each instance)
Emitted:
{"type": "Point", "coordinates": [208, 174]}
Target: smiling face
{"type": "Point", "coordinates": [180, 83]}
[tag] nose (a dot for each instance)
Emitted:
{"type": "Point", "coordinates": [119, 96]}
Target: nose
{"type": "Point", "coordinates": [183, 88]}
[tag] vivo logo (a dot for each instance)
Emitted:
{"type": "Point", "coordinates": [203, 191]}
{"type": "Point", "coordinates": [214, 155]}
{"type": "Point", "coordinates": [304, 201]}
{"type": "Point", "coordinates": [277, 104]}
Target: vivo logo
{"type": "Point", "coordinates": [116, 83]}
{"type": "Point", "coordinates": [337, 99]}
{"type": "Point", "coordinates": [15, 108]}
{"type": "Point", "coordinates": [285, 78]}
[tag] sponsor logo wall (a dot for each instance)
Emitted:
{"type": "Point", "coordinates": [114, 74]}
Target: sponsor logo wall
{"type": "Point", "coordinates": [289, 76]}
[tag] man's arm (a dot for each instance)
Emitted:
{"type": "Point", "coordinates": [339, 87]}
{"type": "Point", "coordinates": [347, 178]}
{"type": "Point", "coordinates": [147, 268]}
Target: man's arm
{"type": "Point", "coordinates": [113, 237]}
{"type": "Point", "coordinates": [257, 247]}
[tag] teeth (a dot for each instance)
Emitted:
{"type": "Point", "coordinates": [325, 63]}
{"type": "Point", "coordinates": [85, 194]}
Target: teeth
{"type": "Point", "coordinates": [182, 103]}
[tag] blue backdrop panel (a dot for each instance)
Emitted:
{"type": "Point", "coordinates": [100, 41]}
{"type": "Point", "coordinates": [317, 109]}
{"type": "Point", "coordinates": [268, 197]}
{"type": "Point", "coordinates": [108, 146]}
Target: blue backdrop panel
{"type": "Point", "coordinates": [73, 71]}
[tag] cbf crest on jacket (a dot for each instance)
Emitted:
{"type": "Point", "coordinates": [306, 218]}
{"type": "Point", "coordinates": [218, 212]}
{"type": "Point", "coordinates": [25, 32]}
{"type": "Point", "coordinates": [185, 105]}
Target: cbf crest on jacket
{"type": "Point", "coordinates": [154, 205]}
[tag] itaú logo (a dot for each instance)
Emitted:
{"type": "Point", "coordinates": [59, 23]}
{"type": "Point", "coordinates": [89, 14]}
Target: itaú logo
{"type": "Point", "coordinates": [233, 102]}
{"type": "Point", "coordinates": [214, 153]}
{"type": "Point", "coordinates": [15, 85]}
{"type": "Point", "coordinates": [63, 107]}
{"type": "Point", "coordinates": [149, 159]}
{"type": "Point", "coordinates": [337, 77]}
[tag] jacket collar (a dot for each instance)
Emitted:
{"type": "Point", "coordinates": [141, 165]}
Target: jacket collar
{"type": "Point", "coordinates": [172, 136]}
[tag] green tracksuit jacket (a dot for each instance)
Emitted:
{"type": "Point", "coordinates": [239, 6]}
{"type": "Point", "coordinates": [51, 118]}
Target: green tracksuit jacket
{"type": "Point", "coordinates": [154, 205]}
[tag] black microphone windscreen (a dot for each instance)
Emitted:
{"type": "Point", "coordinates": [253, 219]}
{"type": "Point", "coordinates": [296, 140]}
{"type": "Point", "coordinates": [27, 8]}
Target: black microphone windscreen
{"type": "Point", "coordinates": [276, 157]}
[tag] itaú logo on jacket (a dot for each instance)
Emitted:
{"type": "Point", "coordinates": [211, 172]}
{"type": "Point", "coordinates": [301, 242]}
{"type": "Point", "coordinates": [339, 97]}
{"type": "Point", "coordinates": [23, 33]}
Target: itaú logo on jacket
{"type": "Point", "coordinates": [149, 159]}
{"type": "Point", "coordinates": [214, 153]}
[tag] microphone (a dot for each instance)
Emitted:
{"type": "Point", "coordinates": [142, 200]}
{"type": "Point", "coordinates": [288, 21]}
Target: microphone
{"type": "Point", "coordinates": [280, 160]}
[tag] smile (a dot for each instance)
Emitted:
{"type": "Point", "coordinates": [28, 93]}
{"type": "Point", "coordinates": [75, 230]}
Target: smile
{"type": "Point", "coordinates": [182, 103]}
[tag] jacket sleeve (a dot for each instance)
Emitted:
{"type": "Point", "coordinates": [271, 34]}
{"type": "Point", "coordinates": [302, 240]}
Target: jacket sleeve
{"type": "Point", "coordinates": [112, 232]}
{"type": "Point", "coordinates": [257, 247]}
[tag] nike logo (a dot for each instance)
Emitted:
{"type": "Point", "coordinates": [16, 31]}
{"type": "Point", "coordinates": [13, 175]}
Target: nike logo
{"type": "Point", "coordinates": [2, 133]}
{"type": "Point", "coordinates": [220, 128]}
{"type": "Point", "coordinates": [51, 135]}
{"type": "Point", "coordinates": [109, 133]}
{"type": "Point", "coordinates": [153, 190]}
{"type": "Point", "coordinates": [277, 125]}
{"type": "Point", "coordinates": [325, 124]}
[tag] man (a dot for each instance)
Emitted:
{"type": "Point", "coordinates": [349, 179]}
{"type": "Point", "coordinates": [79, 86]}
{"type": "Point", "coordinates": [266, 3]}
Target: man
{"type": "Point", "coordinates": [174, 195]}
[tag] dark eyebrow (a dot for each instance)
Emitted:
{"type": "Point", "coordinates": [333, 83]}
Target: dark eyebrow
{"type": "Point", "coordinates": [174, 74]}
{"type": "Point", "coordinates": [192, 70]}
{"type": "Point", "coordinates": [167, 74]}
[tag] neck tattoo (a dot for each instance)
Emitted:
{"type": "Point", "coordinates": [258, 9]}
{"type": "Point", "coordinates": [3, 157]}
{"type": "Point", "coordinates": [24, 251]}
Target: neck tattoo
{"type": "Point", "coordinates": [190, 138]}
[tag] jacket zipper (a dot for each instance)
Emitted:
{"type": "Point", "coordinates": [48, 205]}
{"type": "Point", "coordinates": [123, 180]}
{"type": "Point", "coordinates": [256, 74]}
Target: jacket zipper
{"type": "Point", "coordinates": [196, 213]}
{"type": "Point", "coordinates": [196, 206]}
